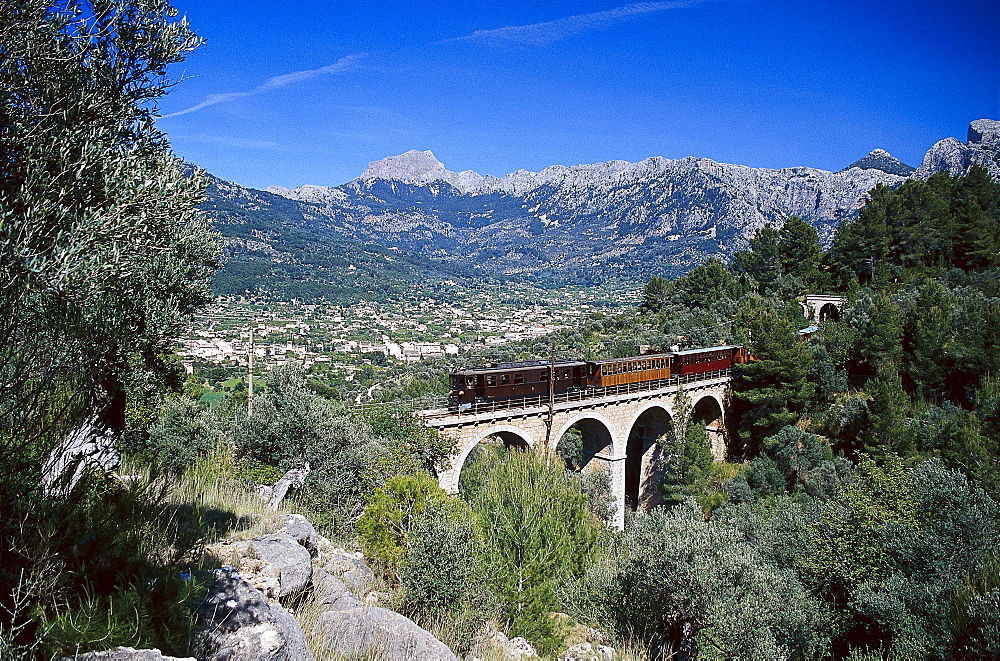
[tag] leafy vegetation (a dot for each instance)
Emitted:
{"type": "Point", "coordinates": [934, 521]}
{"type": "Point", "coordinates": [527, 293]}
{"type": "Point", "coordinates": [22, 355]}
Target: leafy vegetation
{"type": "Point", "coordinates": [857, 516]}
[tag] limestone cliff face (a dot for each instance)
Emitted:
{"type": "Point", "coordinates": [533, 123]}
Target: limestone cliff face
{"type": "Point", "coordinates": [981, 147]}
{"type": "Point", "coordinates": [588, 222]}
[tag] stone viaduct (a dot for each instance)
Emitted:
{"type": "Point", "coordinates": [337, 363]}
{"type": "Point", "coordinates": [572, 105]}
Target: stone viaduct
{"type": "Point", "coordinates": [619, 428]}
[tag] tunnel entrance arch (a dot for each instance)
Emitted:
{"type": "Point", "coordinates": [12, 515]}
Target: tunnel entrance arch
{"type": "Point", "coordinates": [829, 312]}
{"type": "Point", "coordinates": [644, 460]}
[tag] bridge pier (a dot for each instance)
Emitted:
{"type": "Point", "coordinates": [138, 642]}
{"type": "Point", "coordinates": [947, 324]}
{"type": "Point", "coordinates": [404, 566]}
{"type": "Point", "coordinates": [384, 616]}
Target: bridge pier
{"type": "Point", "coordinates": [619, 431]}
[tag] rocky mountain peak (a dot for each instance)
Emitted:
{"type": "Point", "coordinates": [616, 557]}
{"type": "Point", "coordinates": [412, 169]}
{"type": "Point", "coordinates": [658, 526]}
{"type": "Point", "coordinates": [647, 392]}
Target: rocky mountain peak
{"type": "Point", "coordinates": [880, 159]}
{"type": "Point", "coordinates": [981, 148]}
{"type": "Point", "coordinates": [420, 167]}
{"type": "Point", "coordinates": [984, 132]}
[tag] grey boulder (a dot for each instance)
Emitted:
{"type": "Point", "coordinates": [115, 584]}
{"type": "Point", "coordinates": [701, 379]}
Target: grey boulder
{"type": "Point", "coordinates": [237, 623]}
{"type": "Point", "coordinates": [299, 528]}
{"type": "Point", "coordinates": [352, 568]}
{"type": "Point", "coordinates": [331, 592]}
{"type": "Point", "coordinates": [289, 558]}
{"type": "Point", "coordinates": [131, 654]}
{"type": "Point", "coordinates": [373, 632]}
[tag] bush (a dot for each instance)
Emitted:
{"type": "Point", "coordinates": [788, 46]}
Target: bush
{"type": "Point", "coordinates": [442, 562]}
{"type": "Point", "coordinates": [184, 431]}
{"type": "Point", "coordinates": [384, 529]}
{"type": "Point", "coordinates": [538, 532]}
{"type": "Point", "coordinates": [681, 584]}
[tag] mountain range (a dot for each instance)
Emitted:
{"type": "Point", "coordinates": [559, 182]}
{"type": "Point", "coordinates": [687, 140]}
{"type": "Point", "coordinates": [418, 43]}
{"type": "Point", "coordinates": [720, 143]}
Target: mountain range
{"type": "Point", "coordinates": [409, 222]}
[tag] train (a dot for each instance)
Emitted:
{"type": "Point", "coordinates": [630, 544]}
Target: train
{"type": "Point", "coordinates": [529, 378]}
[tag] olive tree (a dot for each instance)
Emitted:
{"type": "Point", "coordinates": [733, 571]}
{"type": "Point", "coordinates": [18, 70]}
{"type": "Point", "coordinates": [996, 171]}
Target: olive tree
{"type": "Point", "coordinates": [103, 253]}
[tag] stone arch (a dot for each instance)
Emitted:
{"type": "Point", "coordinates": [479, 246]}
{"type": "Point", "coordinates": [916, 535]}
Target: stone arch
{"type": "Point", "coordinates": [829, 311]}
{"type": "Point", "coordinates": [708, 411]}
{"type": "Point", "coordinates": [644, 461]}
{"type": "Point", "coordinates": [598, 439]}
{"type": "Point", "coordinates": [512, 437]}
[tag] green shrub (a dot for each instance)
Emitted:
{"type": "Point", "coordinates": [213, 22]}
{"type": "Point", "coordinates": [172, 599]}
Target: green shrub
{"type": "Point", "coordinates": [184, 431]}
{"type": "Point", "coordinates": [393, 510]}
{"type": "Point", "coordinates": [442, 562]}
{"type": "Point", "coordinates": [538, 531]}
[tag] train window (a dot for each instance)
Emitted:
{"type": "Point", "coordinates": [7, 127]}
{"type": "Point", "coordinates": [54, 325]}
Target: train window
{"type": "Point", "coordinates": [470, 382]}
{"type": "Point", "coordinates": [566, 374]}
{"type": "Point", "coordinates": [491, 380]}
{"type": "Point", "coordinates": [518, 377]}
{"type": "Point", "coordinates": [504, 379]}
{"type": "Point", "coordinates": [544, 375]}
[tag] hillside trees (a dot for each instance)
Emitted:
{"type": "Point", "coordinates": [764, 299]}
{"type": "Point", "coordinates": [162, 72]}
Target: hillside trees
{"type": "Point", "coordinates": [773, 390]}
{"type": "Point", "coordinates": [921, 227]}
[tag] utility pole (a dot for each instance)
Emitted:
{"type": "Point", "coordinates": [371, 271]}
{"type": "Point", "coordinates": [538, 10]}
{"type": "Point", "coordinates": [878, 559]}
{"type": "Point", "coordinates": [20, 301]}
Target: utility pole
{"type": "Point", "coordinates": [250, 376]}
{"type": "Point", "coordinates": [552, 401]}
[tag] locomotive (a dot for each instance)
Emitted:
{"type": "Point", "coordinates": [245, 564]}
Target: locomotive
{"type": "Point", "coordinates": [528, 378]}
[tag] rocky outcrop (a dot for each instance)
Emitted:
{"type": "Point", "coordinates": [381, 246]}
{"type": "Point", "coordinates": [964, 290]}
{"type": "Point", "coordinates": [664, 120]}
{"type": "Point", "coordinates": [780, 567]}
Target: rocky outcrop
{"type": "Point", "coordinates": [587, 652]}
{"type": "Point", "coordinates": [373, 632]}
{"type": "Point", "coordinates": [351, 567]}
{"type": "Point", "coordinates": [981, 147]}
{"type": "Point", "coordinates": [129, 654]}
{"type": "Point", "coordinates": [346, 627]}
{"type": "Point", "coordinates": [277, 565]}
{"type": "Point", "coordinates": [299, 528]}
{"type": "Point", "coordinates": [237, 622]}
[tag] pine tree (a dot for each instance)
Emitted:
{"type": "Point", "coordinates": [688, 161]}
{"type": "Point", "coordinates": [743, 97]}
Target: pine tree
{"type": "Point", "coordinates": [798, 245]}
{"type": "Point", "coordinates": [773, 389]}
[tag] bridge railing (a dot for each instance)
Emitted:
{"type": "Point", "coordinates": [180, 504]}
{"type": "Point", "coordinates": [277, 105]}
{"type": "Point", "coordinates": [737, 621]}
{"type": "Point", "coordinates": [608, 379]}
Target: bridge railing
{"type": "Point", "coordinates": [578, 395]}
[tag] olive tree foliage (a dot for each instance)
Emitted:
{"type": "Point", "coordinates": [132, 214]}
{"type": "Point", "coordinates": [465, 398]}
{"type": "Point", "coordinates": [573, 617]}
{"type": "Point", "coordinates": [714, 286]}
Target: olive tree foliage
{"type": "Point", "coordinates": [896, 550]}
{"type": "Point", "coordinates": [103, 254]}
{"type": "Point", "coordinates": [685, 586]}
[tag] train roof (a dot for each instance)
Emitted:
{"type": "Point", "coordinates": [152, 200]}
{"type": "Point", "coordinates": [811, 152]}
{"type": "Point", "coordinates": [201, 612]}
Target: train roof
{"type": "Point", "coordinates": [524, 364]}
{"type": "Point", "coordinates": [605, 361]}
{"type": "Point", "coordinates": [688, 352]}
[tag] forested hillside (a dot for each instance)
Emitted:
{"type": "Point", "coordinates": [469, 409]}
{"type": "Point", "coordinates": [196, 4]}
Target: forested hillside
{"type": "Point", "coordinates": [855, 515]}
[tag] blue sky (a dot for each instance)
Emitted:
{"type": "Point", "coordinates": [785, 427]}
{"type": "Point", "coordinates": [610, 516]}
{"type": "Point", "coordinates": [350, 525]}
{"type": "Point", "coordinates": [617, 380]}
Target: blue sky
{"type": "Point", "coordinates": [309, 92]}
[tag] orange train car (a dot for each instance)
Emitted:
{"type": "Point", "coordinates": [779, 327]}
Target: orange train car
{"type": "Point", "coordinates": [635, 369]}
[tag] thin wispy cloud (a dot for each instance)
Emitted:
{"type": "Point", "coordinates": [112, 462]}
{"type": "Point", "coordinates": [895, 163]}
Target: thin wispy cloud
{"type": "Point", "coordinates": [539, 34]}
{"type": "Point", "coordinates": [345, 63]}
{"type": "Point", "coordinates": [242, 143]}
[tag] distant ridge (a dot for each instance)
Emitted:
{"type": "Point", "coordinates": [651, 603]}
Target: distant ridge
{"type": "Point", "coordinates": [880, 159]}
{"type": "Point", "coordinates": [581, 224]}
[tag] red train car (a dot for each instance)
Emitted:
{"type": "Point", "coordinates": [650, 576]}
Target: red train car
{"type": "Point", "coordinates": [527, 379]}
{"type": "Point", "coordinates": [697, 361]}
